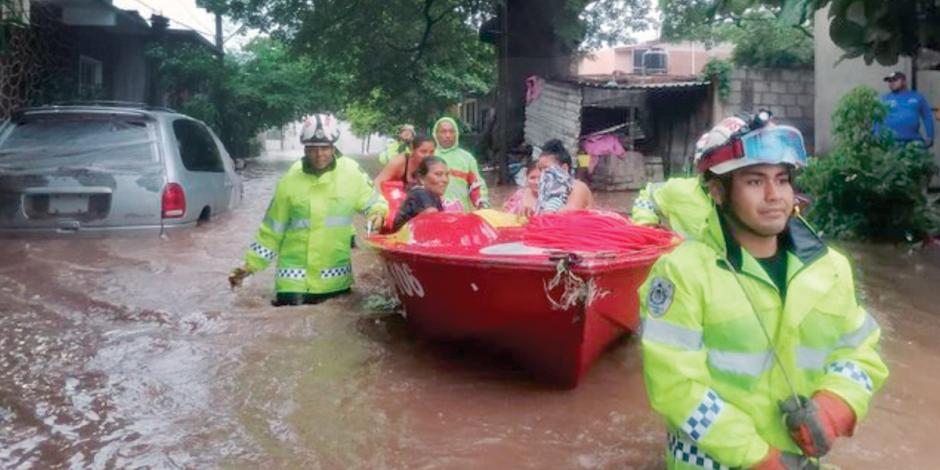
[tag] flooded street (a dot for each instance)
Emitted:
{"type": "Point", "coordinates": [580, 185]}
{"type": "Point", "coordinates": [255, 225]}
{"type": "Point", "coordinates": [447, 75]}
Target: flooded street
{"type": "Point", "coordinates": [135, 353]}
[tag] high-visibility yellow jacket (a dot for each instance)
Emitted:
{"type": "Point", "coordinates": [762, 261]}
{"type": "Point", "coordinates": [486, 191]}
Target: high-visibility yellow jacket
{"type": "Point", "coordinates": [394, 148]}
{"type": "Point", "coordinates": [679, 203]}
{"type": "Point", "coordinates": [308, 227]}
{"type": "Point", "coordinates": [708, 367]}
{"type": "Point", "coordinates": [467, 188]}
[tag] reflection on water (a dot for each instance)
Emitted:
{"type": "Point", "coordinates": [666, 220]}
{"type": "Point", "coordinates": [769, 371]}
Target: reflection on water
{"type": "Point", "coordinates": [131, 353]}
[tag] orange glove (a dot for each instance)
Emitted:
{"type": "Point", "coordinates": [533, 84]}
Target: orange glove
{"type": "Point", "coordinates": [815, 424]}
{"type": "Point", "coordinates": [777, 460]}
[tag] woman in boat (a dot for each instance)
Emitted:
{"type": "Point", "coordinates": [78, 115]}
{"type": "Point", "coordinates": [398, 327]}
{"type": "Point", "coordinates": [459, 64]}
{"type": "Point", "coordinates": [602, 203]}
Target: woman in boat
{"type": "Point", "coordinates": [402, 167]}
{"type": "Point", "coordinates": [558, 191]}
{"type": "Point", "coordinates": [522, 202]}
{"type": "Point", "coordinates": [426, 195]}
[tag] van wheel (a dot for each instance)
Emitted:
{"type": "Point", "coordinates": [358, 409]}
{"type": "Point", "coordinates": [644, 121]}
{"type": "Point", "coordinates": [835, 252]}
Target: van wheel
{"type": "Point", "coordinates": [204, 216]}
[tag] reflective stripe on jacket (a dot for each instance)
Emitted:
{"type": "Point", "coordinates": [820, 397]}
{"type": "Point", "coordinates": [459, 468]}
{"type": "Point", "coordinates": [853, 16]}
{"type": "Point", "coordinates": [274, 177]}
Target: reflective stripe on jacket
{"type": "Point", "coordinates": [308, 227]}
{"type": "Point", "coordinates": [708, 367]}
{"type": "Point", "coordinates": [466, 185]}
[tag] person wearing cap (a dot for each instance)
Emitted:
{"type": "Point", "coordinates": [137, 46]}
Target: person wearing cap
{"type": "Point", "coordinates": [906, 109]}
{"type": "Point", "coordinates": [401, 146]}
{"type": "Point", "coordinates": [308, 224]}
{"type": "Point", "coordinates": [754, 348]}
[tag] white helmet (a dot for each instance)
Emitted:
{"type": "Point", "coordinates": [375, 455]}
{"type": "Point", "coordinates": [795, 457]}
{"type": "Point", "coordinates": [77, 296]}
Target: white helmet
{"type": "Point", "coordinates": [320, 130]}
{"type": "Point", "coordinates": [741, 141]}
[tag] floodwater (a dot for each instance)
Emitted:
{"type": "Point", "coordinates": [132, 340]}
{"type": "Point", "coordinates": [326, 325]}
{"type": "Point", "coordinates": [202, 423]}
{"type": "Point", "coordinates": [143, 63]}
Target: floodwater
{"type": "Point", "coordinates": [135, 353]}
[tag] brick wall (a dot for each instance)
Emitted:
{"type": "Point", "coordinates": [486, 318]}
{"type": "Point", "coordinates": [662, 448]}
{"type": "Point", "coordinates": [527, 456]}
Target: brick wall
{"type": "Point", "coordinates": [788, 93]}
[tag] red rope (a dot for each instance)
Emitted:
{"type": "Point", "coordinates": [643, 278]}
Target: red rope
{"type": "Point", "coordinates": [592, 231]}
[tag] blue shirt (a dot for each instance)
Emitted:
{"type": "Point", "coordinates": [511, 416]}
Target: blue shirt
{"type": "Point", "coordinates": [905, 111]}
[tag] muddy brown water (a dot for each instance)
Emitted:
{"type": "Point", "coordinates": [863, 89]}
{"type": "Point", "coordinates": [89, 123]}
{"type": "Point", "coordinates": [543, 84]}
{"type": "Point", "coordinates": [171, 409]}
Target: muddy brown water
{"type": "Point", "coordinates": [134, 353]}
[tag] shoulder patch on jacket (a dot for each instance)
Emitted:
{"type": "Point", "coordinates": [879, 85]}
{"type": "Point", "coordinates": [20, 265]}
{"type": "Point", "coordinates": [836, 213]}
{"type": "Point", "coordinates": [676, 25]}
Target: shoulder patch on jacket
{"type": "Point", "coordinates": [660, 296]}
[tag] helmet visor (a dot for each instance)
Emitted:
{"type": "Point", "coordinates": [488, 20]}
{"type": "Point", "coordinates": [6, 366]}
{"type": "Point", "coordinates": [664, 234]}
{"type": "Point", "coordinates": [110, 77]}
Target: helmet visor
{"type": "Point", "coordinates": [778, 144]}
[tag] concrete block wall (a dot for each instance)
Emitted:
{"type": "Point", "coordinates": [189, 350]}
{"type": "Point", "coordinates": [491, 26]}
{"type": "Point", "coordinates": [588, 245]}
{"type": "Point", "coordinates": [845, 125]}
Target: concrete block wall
{"type": "Point", "coordinates": [788, 93]}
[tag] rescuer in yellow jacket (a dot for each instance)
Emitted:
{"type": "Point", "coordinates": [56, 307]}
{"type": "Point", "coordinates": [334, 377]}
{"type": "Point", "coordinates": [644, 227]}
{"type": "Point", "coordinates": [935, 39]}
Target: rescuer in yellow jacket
{"type": "Point", "coordinates": [402, 145]}
{"type": "Point", "coordinates": [678, 203]}
{"type": "Point", "coordinates": [755, 350]}
{"type": "Point", "coordinates": [308, 225]}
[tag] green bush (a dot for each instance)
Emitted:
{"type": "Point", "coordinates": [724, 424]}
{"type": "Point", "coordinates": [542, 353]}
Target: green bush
{"type": "Point", "coordinates": [764, 42]}
{"type": "Point", "coordinates": [721, 69]}
{"type": "Point", "coordinates": [869, 187]}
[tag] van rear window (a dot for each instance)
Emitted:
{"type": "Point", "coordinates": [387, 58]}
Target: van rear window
{"type": "Point", "coordinates": [102, 142]}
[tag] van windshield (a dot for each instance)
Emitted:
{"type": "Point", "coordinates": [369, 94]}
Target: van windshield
{"type": "Point", "coordinates": [107, 142]}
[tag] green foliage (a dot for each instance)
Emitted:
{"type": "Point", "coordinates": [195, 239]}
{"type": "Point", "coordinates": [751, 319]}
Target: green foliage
{"type": "Point", "coordinates": [260, 87]}
{"type": "Point", "coordinates": [869, 187]}
{"type": "Point", "coordinates": [694, 20]}
{"type": "Point", "coordinates": [760, 38]}
{"type": "Point", "coordinates": [12, 17]}
{"type": "Point", "coordinates": [722, 69]}
{"type": "Point", "coordinates": [874, 30]}
{"type": "Point", "coordinates": [400, 61]}
{"type": "Point", "coordinates": [383, 62]}
{"type": "Point", "coordinates": [609, 22]}
{"type": "Point", "coordinates": [764, 42]}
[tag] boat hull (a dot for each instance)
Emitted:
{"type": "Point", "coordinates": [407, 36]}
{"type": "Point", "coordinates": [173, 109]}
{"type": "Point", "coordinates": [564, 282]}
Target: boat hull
{"type": "Point", "coordinates": [508, 305]}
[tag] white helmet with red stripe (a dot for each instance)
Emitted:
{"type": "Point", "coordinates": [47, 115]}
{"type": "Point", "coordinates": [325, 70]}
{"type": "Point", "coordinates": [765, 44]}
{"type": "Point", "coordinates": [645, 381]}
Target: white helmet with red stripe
{"type": "Point", "coordinates": [741, 141]}
{"type": "Point", "coordinates": [320, 130]}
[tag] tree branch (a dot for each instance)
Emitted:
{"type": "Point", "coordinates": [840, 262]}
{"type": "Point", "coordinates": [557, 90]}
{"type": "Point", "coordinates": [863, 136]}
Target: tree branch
{"type": "Point", "coordinates": [421, 47]}
{"type": "Point", "coordinates": [338, 21]}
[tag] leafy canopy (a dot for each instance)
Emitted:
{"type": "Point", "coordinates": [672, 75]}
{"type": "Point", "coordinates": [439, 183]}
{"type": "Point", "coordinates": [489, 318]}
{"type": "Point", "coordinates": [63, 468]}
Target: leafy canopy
{"type": "Point", "coordinates": [760, 36]}
{"type": "Point", "coordinates": [874, 30]}
{"type": "Point", "coordinates": [408, 60]}
{"type": "Point", "coordinates": [259, 87]}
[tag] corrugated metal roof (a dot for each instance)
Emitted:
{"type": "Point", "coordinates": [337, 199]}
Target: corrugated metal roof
{"type": "Point", "coordinates": [614, 85]}
{"type": "Point", "coordinates": [650, 82]}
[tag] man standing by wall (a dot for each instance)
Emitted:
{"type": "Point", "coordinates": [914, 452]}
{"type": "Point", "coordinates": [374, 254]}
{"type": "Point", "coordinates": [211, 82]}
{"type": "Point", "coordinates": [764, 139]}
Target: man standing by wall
{"type": "Point", "coordinates": [906, 108]}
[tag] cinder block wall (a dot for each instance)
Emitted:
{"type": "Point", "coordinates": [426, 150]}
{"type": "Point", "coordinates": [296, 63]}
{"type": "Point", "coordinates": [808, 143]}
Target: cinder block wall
{"type": "Point", "coordinates": [789, 94]}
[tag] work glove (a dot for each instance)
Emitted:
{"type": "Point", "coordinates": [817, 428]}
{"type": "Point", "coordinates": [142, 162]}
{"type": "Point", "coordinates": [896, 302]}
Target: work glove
{"type": "Point", "coordinates": [778, 460]}
{"type": "Point", "coordinates": [374, 222]}
{"type": "Point", "coordinates": [237, 276]}
{"type": "Point", "coordinates": [814, 424]}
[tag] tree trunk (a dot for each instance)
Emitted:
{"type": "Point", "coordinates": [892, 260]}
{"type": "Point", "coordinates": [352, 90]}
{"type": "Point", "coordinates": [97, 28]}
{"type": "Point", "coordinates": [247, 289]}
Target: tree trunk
{"type": "Point", "coordinates": [533, 46]}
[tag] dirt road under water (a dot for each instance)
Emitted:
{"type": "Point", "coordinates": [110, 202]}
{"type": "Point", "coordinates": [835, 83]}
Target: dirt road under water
{"type": "Point", "coordinates": [134, 353]}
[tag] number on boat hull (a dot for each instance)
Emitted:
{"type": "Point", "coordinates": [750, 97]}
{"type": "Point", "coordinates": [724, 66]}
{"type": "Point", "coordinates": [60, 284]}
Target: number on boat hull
{"type": "Point", "coordinates": [405, 280]}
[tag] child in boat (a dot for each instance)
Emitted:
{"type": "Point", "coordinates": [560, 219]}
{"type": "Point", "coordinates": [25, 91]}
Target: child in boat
{"type": "Point", "coordinates": [522, 202]}
{"type": "Point", "coordinates": [558, 190]}
{"type": "Point", "coordinates": [431, 182]}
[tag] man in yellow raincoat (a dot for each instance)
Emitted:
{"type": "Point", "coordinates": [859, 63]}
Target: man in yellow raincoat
{"type": "Point", "coordinates": [755, 350]}
{"type": "Point", "coordinates": [308, 225]}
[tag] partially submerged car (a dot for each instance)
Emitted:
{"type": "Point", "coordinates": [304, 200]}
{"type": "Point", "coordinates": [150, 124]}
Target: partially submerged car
{"type": "Point", "coordinates": [110, 169]}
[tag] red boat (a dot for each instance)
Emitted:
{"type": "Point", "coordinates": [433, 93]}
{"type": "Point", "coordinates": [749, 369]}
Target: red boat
{"type": "Point", "coordinates": [554, 312]}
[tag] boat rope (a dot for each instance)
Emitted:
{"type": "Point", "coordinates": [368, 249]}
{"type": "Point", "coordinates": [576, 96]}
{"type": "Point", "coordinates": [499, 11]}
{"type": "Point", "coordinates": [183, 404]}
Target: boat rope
{"type": "Point", "coordinates": [574, 290]}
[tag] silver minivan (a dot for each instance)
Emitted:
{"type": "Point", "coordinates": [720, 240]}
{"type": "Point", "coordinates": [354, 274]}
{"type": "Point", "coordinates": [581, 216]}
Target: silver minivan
{"type": "Point", "coordinates": [110, 169]}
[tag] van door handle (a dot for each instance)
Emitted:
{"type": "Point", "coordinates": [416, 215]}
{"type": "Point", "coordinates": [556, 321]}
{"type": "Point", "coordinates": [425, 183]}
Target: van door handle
{"type": "Point", "coordinates": [67, 226]}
